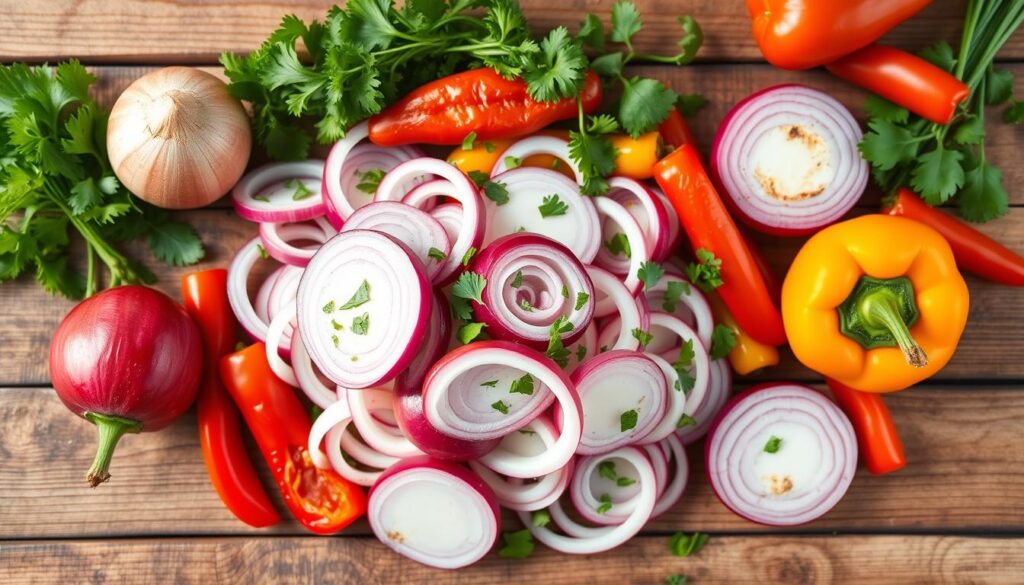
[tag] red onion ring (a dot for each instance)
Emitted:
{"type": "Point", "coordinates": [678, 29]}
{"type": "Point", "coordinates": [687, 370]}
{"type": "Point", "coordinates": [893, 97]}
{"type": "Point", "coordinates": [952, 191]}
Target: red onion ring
{"type": "Point", "coordinates": [533, 145]}
{"type": "Point", "coordinates": [277, 238]}
{"type": "Point", "coordinates": [309, 381]}
{"type": "Point", "coordinates": [275, 340]}
{"type": "Point", "coordinates": [589, 484]}
{"type": "Point", "coordinates": [675, 229]}
{"type": "Point", "coordinates": [328, 428]}
{"type": "Point", "coordinates": [706, 409]}
{"type": "Point", "coordinates": [807, 473]}
{"type": "Point", "coordinates": [755, 145]}
{"type": "Point", "coordinates": [584, 349]}
{"type": "Point", "coordinates": [388, 442]}
{"type": "Point", "coordinates": [268, 195]}
{"type": "Point", "coordinates": [632, 310]}
{"type": "Point", "coordinates": [238, 294]}
{"type": "Point", "coordinates": [409, 225]}
{"type": "Point", "coordinates": [675, 404]}
{"type": "Point", "coordinates": [650, 215]}
{"type": "Point", "coordinates": [692, 308]}
{"type": "Point", "coordinates": [450, 217]}
{"type": "Point", "coordinates": [550, 279]}
{"type": "Point", "coordinates": [397, 307]}
{"type": "Point", "coordinates": [529, 441]}
{"type": "Point", "coordinates": [673, 491]}
{"type": "Point", "coordinates": [637, 244]}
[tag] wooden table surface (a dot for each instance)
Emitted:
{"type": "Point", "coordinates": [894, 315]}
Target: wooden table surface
{"type": "Point", "coordinates": [956, 513]}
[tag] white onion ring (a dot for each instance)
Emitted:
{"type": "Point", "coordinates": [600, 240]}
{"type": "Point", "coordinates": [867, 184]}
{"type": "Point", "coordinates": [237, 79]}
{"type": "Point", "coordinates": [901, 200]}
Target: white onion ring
{"type": "Point", "coordinates": [309, 381]}
{"type": "Point", "coordinates": [692, 307]}
{"type": "Point", "coordinates": [330, 426]}
{"type": "Point", "coordinates": [362, 403]}
{"type": "Point", "coordinates": [530, 441]}
{"type": "Point", "coordinates": [270, 182]}
{"type": "Point", "coordinates": [277, 238]}
{"type": "Point", "coordinates": [637, 245]}
{"type": "Point", "coordinates": [650, 215]}
{"type": "Point", "coordinates": [534, 145]}
{"type": "Point", "coordinates": [407, 224]}
{"type": "Point", "coordinates": [631, 310]}
{"type": "Point", "coordinates": [676, 404]}
{"type": "Point", "coordinates": [673, 491]}
{"type": "Point", "coordinates": [275, 339]}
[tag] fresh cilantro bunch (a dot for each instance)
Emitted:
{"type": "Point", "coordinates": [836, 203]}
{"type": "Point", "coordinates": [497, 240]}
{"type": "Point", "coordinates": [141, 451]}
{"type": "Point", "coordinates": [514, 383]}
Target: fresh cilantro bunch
{"type": "Point", "coordinates": [54, 175]}
{"type": "Point", "coordinates": [947, 163]}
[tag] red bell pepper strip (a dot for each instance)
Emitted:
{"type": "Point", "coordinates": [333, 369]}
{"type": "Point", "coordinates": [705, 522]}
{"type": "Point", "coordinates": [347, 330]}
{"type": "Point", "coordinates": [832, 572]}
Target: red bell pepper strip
{"type": "Point", "coordinates": [745, 291]}
{"type": "Point", "coordinates": [231, 471]}
{"type": "Point", "coordinates": [903, 79]}
{"type": "Point", "coordinates": [478, 101]}
{"type": "Point", "coordinates": [801, 34]}
{"type": "Point", "coordinates": [323, 501]}
{"type": "Point", "coordinates": [974, 251]}
{"type": "Point", "coordinates": [675, 132]}
{"type": "Point", "coordinates": [879, 443]}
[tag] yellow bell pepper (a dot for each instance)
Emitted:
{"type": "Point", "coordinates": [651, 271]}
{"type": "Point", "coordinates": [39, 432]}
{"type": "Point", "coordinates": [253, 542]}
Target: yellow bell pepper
{"type": "Point", "coordinates": [875, 302]}
{"type": "Point", "coordinates": [748, 355]}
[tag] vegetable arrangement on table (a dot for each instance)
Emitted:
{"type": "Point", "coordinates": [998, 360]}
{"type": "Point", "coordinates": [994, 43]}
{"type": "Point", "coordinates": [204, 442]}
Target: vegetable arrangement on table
{"type": "Point", "coordinates": [511, 327]}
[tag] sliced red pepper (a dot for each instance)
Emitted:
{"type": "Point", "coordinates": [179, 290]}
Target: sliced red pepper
{"type": "Point", "coordinates": [974, 251]}
{"type": "Point", "coordinates": [231, 471]}
{"type": "Point", "coordinates": [904, 79]}
{"type": "Point", "coordinates": [320, 499]}
{"type": "Point", "coordinates": [745, 290]}
{"type": "Point", "coordinates": [879, 443]}
{"type": "Point", "coordinates": [479, 101]}
{"type": "Point", "coordinates": [675, 131]}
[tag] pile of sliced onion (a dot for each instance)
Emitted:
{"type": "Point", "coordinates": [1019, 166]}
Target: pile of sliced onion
{"type": "Point", "coordinates": [787, 158]}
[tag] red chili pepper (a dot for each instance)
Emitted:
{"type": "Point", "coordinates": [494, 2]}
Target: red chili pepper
{"type": "Point", "coordinates": [481, 101]}
{"type": "Point", "coordinates": [205, 296]}
{"type": "Point", "coordinates": [801, 34]}
{"type": "Point", "coordinates": [675, 131]}
{"type": "Point", "coordinates": [320, 499]}
{"type": "Point", "coordinates": [879, 443]}
{"type": "Point", "coordinates": [903, 79]}
{"type": "Point", "coordinates": [974, 251]}
{"type": "Point", "coordinates": [703, 214]}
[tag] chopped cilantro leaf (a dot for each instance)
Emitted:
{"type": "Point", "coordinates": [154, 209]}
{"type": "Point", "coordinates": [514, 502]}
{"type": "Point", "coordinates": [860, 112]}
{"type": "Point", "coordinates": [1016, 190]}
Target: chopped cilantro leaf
{"type": "Point", "coordinates": [361, 324]}
{"type": "Point", "coordinates": [522, 385]}
{"type": "Point", "coordinates": [628, 419]}
{"type": "Point", "coordinates": [470, 286]}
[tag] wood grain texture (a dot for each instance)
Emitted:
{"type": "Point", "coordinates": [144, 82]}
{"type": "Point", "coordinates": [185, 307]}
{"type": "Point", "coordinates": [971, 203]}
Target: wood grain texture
{"type": "Point", "coordinates": [197, 31]}
{"type": "Point", "coordinates": [726, 559]}
{"type": "Point", "coordinates": [966, 472]}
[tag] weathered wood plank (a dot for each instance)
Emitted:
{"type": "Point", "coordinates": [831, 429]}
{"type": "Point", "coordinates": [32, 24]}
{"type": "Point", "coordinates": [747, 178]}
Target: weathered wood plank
{"type": "Point", "coordinates": [966, 472]}
{"type": "Point", "coordinates": [176, 31]}
{"type": "Point", "coordinates": [726, 559]}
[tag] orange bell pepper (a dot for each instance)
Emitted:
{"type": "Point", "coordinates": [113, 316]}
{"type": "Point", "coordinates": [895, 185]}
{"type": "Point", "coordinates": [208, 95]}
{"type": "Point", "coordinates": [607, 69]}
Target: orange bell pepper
{"type": "Point", "coordinates": [875, 303]}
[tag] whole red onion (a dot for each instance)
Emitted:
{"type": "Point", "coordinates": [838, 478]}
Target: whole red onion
{"type": "Point", "coordinates": [127, 360]}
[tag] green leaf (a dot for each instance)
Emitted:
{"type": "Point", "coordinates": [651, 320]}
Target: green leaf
{"type": "Point", "coordinates": [602, 124]}
{"type": "Point", "coordinates": [606, 504]}
{"type": "Point", "coordinates": [359, 298]}
{"type": "Point", "coordinates": [370, 180]}
{"type": "Point", "coordinates": [706, 273]}
{"type": "Point", "coordinates": [674, 290]}
{"type": "Point", "coordinates": [556, 347]}
{"type": "Point", "coordinates": [625, 21]}
{"type": "Point", "coordinates": [686, 421]}
{"type": "Point", "coordinates": [609, 65]}
{"type": "Point", "coordinates": [470, 331]}
{"type": "Point", "coordinates": [479, 178]}
{"type": "Point", "coordinates": [642, 336]}
{"type": "Point", "coordinates": [628, 419]}
{"type": "Point", "coordinates": [522, 385]}
{"type": "Point", "coordinates": [436, 254]}
{"type": "Point", "coordinates": [468, 256]}
{"type": "Point", "coordinates": [690, 103]}
{"type": "Point", "coordinates": [518, 545]}
{"type": "Point", "coordinates": [970, 131]}
{"type": "Point", "coordinates": [723, 339]}
{"type": "Point", "coordinates": [369, 23]}
{"type": "Point", "coordinates": [57, 278]}
{"type": "Point", "coordinates": [559, 70]}
{"type": "Point", "coordinates": [540, 518]}
{"type": "Point", "coordinates": [591, 32]}
{"type": "Point", "coordinates": [650, 273]}
{"type": "Point", "coordinates": [286, 142]}
{"type": "Point", "coordinates": [489, 384]}
{"type": "Point", "coordinates": [983, 196]}
{"type": "Point", "coordinates": [773, 444]}
{"type": "Point", "coordinates": [496, 191]}
{"type": "Point", "coordinates": [85, 195]}
{"type": "Point", "coordinates": [691, 41]}
{"type": "Point", "coordinates": [525, 305]}
{"type": "Point", "coordinates": [501, 406]}
{"type": "Point", "coordinates": [75, 79]}
{"type": "Point", "coordinates": [470, 286]}
{"type": "Point", "coordinates": [606, 469]}
{"type": "Point", "coordinates": [517, 280]}
{"type": "Point", "coordinates": [684, 545]}
{"type": "Point", "coordinates": [645, 103]}
{"type": "Point", "coordinates": [938, 175]}
{"type": "Point", "coordinates": [879, 108]}
{"type": "Point", "coordinates": [467, 142]}
{"type": "Point", "coordinates": [552, 206]}
{"type": "Point", "coordinates": [461, 309]}
{"type": "Point", "coordinates": [940, 54]}
{"type": "Point", "coordinates": [361, 324]}
{"type": "Point", "coordinates": [886, 145]}
{"type": "Point", "coordinates": [618, 245]}
{"type": "Point", "coordinates": [581, 300]}
{"type": "Point", "coordinates": [301, 191]}
{"type": "Point", "coordinates": [676, 579]}
{"type": "Point", "coordinates": [998, 86]}
{"type": "Point", "coordinates": [175, 243]}
{"type": "Point", "coordinates": [595, 157]}
{"type": "Point", "coordinates": [1015, 113]}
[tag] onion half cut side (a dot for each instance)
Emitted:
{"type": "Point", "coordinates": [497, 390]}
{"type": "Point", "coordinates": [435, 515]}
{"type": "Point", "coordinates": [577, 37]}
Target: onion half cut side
{"type": "Point", "coordinates": [280, 192]}
{"type": "Point", "coordinates": [532, 281]}
{"type": "Point", "coordinates": [424, 235]}
{"type": "Point", "coordinates": [781, 455]}
{"type": "Point", "coordinates": [363, 307]}
{"type": "Point", "coordinates": [435, 513]}
{"type": "Point", "coordinates": [788, 161]}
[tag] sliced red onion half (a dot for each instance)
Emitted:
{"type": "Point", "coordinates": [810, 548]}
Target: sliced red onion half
{"type": "Point", "coordinates": [489, 389]}
{"type": "Point", "coordinates": [529, 441]}
{"type": "Point", "coordinates": [363, 306]}
{"type": "Point", "coordinates": [650, 215]}
{"type": "Point", "coordinates": [535, 198]}
{"type": "Point", "coordinates": [705, 410]}
{"type": "Point", "coordinates": [456, 185]}
{"type": "Point", "coordinates": [623, 394]}
{"type": "Point", "coordinates": [781, 455]}
{"type": "Point", "coordinates": [387, 440]}
{"type": "Point", "coordinates": [280, 192]}
{"type": "Point", "coordinates": [787, 158]}
{"type": "Point", "coordinates": [533, 145]}
{"type": "Point", "coordinates": [632, 311]}
{"type": "Point", "coordinates": [433, 512]}
{"type": "Point", "coordinates": [424, 235]}
{"type": "Point", "coordinates": [277, 240]}
{"type": "Point", "coordinates": [352, 164]}
{"type": "Point", "coordinates": [691, 306]}
{"type": "Point", "coordinates": [591, 540]}
{"type": "Point", "coordinates": [532, 281]}
{"type": "Point", "coordinates": [637, 244]}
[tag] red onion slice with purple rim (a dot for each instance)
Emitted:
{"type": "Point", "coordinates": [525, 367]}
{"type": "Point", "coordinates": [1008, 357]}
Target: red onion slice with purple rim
{"type": "Point", "coordinates": [787, 159]}
{"type": "Point", "coordinates": [280, 192]}
{"type": "Point", "coordinates": [309, 380]}
{"type": "Point", "coordinates": [704, 411]}
{"type": "Point", "coordinates": [675, 229]}
{"type": "Point", "coordinates": [373, 433]}
{"type": "Point", "coordinates": [676, 404]}
{"type": "Point", "coordinates": [632, 310]}
{"type": "Point", "coordinates": [532, 281]}
{"type": "Point", "coordinates": [450, 217]}
{"type": "Point", "coordinates": [691, 307]}
{"type": "Point", "coordinates": [578, 228]}
{"type": "Point", "coordinates": [584, 348]}
{"type": "Point", "coordinates": [650, 215]}
{"type": "Point", "coordinates": [637, 245]}
{"type": "Point", "coordinates": [363, 306]}
{"type": "Point", "coordinates": [277, 240]}
{"type": "Point", "coordinates": [238, 290]}
{"type": "Point", "coordinates": [436, 513]}
{"type": "Point", "coordinates": [673, 491]}
{"type": "Point", "coordinates": [614, 480]}
{"type": "Point", "coordinates": [462, 393]}
{"type": "Point", "coordinates": [415, 228]}
{"type": "Point", "coordinates": [328, 428]}
{"type": "Point", "coordinates": [533, 145]}
{"type": "Point", "coordinates": [781, 455]}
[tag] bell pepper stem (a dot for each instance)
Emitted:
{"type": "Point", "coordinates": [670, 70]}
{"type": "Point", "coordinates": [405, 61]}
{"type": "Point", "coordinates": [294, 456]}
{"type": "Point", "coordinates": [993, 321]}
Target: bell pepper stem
{"type": "Point", "coordinates": [111, 428]}
{"type": "Point", "coordinates": [880, 308]}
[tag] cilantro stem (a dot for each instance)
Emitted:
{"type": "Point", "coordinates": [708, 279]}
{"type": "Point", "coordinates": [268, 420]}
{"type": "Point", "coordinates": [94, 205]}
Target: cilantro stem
{"type": "Point", "coordinates": [90, 274]}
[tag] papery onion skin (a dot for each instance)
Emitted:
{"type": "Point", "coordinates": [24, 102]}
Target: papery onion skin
{"type": "Point", "coordinates": [177, 138]}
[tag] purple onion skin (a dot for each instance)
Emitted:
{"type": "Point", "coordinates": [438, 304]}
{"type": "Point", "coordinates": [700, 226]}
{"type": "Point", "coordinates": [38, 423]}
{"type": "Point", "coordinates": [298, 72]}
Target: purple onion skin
{"type": "Point", "coordinates": [128, 360]}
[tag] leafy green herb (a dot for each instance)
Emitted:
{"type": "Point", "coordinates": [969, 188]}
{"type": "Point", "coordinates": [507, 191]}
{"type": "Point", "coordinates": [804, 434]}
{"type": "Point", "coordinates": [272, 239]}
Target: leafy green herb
{"type": "Point", "coordinates": [565, 291]}
{"type": "Point", "coordinates": [517, 280]}
{"type": "Point", "coordinates": [479, 178]}
{"type": "Point", "coordinates": [512, 162]}
{"type": "Point", "coordinates": [690, 103]}
{"type": "Point", "coordinates": [552, 206]}
{"type": "Point", "coordinates": [489, 147]}
{"type": "Point", "coordinates": [329, 307]}
{"type": "Point", "coordinates": [773, 444]}
{"type": "Point", "coordinates": [460, 308]}
{"type": "Point", "coordinates": [467, 142]}
{"type": "Point", "coordinates": [674, 290]}
{"type": "Point", "coordinates": [606, 504]}
{"type": "Point", "coordinates": [522, 385]}
{"type": "Point", "coordinates": [606, 469]}
{"type": "Point", "coordinates": [581, 300]}
{"type": "Point", "coordinates": [337, 326]}
{"type": "Point", "coordinates": [676, 579]}
{"type": "Point", "coordinates": [370, 180]}
{"type": "Point", "coordinates": [723, 339]}
{"type": "Point", "coordinates": [469, 331]}
{"type": "Point", "coordinates": [518, 544]}
{"type": "Point", "coordinates": [627, 420]}
{"type": "Point", "coordinates": [335, 340]}
{"type": "Point", "coordinates": [525, 305]}
{"type": "Point", "coordinates": [436, 254]}
{"type": "Point", "coordinates": [650, 273]}
{"type": "Point", "coordinates": [684, 380]}
{"type": "Point", "coordinates": [501, 406]}
{"type": "Point", "coordinates": [468, 256]}
{"type": "Point", "coordinates": [496, 192]}
{"type": "Point", "coordinates": [642, 336]}
{"type": "Point", "coordinates": [581, 352]}
{"type": "Point", "coordinates": [556, 347]}
{"type": "Point", "coordinates": [540, 518]}
{"type": "Point", "coordinates": [262, 251]}
{"type": "Point", "coordinates": [470, 286]}
{"type": "Point", "coordinates": [361, 324]}
{"type": "Point", "coordinates": [489, 383]}
{"type": "Point", "coordinates": [359, 298]}
{"type": "Point", "coordinates": [624, 481]}
{"type": "Point", "coordinates": [301, 191]}
{"type": "Point", "coordinates": [619, 245]}
{"type": "Point", "coordinates": [706, 273]}
{"type": "Point", "coordinates": [686, 421]}
{"type": "Point", "coordinates": [684, 545]}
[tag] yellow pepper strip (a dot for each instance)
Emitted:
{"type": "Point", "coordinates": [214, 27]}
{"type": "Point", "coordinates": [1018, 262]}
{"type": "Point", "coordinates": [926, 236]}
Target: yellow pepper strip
{"type": "Point", "coordinates": [748, 355]}
{"type": "Point", "coordinates": [635, 158]}
{"type": "Point", "coordinates": [874, 303]}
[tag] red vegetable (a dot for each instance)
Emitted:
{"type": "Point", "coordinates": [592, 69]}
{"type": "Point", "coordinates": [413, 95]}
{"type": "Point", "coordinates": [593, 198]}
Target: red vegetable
{"type": "Point", "coordinates": [231, 471]}
{"type": "Point", "coordinates": [879, 443]}
{"type": "Point", "coordinates": [127, 360]}
{"type": "Point", "coordinates": [675, 131]}
{"type": "Point", "coordinates": [903, 79]}
{"type": "Point", "coordinates": [974, 251]}
{"type": "Point", "coordinates": [479, 101]}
